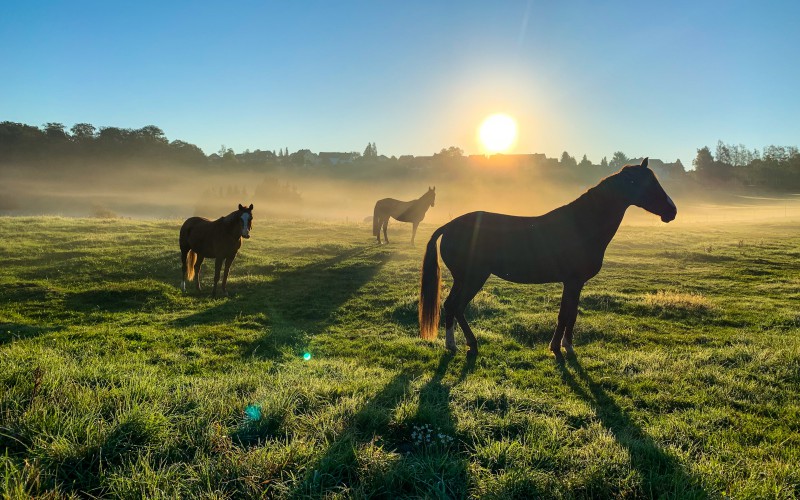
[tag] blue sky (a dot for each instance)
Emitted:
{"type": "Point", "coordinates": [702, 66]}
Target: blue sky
{"type": "Point", "coordinates": [656, 79]}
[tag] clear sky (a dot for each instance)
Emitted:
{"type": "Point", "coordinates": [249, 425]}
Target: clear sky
{"type": "Point", "coordinates": [657, 79]}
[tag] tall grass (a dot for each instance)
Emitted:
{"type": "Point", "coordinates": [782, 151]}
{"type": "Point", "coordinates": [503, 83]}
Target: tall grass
{"type": "Point", "coordinates": [114, 383]}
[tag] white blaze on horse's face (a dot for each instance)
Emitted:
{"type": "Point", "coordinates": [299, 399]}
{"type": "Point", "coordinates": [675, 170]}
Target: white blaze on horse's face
{"type": "Point", "coordinates": [246, 216]}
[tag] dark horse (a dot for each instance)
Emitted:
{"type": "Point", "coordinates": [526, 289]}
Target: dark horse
{"type": "Point", "coordinates": [405, 211]}
{"type": "Point", "coordinates": [220, 239]}
{"type": "Point", "coordinates": [566, 245]}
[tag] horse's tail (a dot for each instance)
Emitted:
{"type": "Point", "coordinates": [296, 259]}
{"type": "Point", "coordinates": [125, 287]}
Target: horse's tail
{"type": "Point", "coordinates": [376, 221]}
{"type": "Point", "coordinates": [191, 259]}
{"type": "Point", "coordinates": [430, 289]}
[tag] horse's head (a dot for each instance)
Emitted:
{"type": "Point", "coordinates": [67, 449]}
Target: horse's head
{"type": "Point", "coordinates": [641, 188]}
{"type": "Point", "coordinates": [245, 217]}
{"type": "Point", "coordinates": [430, 196]}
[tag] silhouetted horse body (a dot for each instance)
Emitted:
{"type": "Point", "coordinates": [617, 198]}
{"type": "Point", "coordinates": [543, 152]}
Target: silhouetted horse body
{"type": "Point", "coordinates": [219, 239]}
{"type": "Point", "coordinates": [566, 245]}
{"type": "Point", "coordinates": [404, 211]}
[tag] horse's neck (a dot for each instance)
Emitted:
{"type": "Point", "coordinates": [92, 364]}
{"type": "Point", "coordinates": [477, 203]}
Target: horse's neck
{"type": "Point", "coordinates": [230, 226]}
{"type": "Point", "coordinates": [421, 204]}
{"type": "Point", "coordinates": [598, 214]}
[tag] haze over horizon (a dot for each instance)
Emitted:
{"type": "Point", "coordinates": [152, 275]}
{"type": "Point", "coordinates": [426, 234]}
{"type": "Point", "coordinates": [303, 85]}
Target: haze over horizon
{"type": "Point", "coordinates": [588, 78]}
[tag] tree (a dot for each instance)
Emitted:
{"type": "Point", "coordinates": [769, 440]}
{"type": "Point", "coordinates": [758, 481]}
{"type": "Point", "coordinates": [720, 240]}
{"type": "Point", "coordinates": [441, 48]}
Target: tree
{"type": "Point", "coordinates": [568, 161]}
{"type": "Point", "coordinates": [451, 152]}
{"type": "Point", "coordinates": [703, 162]}
{"type": "Point", "coordinates": [604, 162]}
{"type": "Point", "coordinates": [723, 153]}
{"type": "Point", "coordinates": [619, 160]}
{"type": "Point", "coordinates": [585, 164]}
{"type": "Point", "coordinates": [83, 131]}
{"type": "Point", "coordinates": [371, 150]}
{"type": "Point", "coordinates": [55, 131]}
{"type": "Point", "coordinates": [151, 133]}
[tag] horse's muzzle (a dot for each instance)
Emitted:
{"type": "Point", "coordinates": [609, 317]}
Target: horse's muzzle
{"type": "Point", "coordinates": [669, 217]}
{"type": "Point", "coordinates": [246, 236]}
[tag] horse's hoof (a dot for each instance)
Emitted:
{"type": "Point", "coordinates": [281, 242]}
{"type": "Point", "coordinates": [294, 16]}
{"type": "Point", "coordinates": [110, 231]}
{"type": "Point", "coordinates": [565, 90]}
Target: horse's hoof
{"type": "Point", "coordinates": [569, 351]}
{"type": "Point", "coordinates": [557, 353]}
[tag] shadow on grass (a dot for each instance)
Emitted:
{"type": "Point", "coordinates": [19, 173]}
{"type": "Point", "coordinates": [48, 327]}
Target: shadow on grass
{"type": "Point", "coordinates": [10, 332]}
{"type": "Point", "coordinates": [297, 303]}
{"type": "Point", "coordinates": [662, 475]}
{"type": "Point", "coordinates": [111, 301]}
{"type": "Point", "coordinates": [337, 467]}
{"type": "Point", "coordinates": [425, 461]}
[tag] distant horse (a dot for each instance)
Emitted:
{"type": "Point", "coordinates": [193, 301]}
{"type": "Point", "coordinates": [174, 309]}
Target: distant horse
{"type": "Point", "coordinates": [404, 211]}
{"type": "Point", "coordinates": [566, 245]}
{"type": "Point", "coordinates": [220, 239]}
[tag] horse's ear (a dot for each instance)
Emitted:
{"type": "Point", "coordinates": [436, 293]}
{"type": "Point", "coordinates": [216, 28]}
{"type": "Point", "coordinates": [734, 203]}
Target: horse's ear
{"type": "Point", "coordinates": [434, 188]}
{"type": "Point", "coordinates": [644, 162]}
{"type": "Point", "coordinates": [251, 207]}
{"type": "Point", "coordinates": [241, 207]}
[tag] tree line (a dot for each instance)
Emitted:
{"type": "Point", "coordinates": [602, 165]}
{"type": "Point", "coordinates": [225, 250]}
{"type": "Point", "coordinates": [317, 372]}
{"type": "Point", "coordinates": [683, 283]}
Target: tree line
{"type": "Point", "coordinates": [53, 146]}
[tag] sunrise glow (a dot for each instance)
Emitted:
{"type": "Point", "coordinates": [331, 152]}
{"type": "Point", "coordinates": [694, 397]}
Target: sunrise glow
{"type": "Point", "coordinates": [497, 133]}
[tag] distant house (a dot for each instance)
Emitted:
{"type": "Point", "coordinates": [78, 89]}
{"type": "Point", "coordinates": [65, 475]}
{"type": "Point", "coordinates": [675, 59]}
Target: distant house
{"type": "Point", "coordinates": [664, 171]}
{"type": "Point", "coordinates": [333, 158]}
{"type": "Point", "coordinates": [304, 157]}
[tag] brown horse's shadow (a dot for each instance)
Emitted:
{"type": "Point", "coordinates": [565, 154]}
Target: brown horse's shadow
{"type": "Point", "coordinates": [297, 303]}
{"type": "Point", "coordinates": [10, 332]}
{"type": "Point", "coordinates": [660, 471]}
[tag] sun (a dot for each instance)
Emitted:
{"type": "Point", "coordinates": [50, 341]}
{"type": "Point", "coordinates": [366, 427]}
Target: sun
{"type": "Point", "coordinates": [497, 133]}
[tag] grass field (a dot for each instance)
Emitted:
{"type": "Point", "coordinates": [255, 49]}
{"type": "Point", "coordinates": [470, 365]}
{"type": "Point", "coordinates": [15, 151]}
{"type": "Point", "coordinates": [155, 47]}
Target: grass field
{"type": "Point", "coordinates": [114, 383]}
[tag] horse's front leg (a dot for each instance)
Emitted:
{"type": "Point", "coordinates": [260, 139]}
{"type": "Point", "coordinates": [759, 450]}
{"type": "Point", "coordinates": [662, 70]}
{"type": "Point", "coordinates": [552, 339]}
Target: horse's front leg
{"type": "Point", "coordinates": [566, 320]}
{"type": "Point", "coordinates": [414, 232]}
{"type": "Point", "coordinates": [217, 268]}
{"type": "Point", "coordinates": [566, 340]}
{"type": "Point", "coordinates": [228, 263]}
{"type": "Point", "coordinates": [385, 226]}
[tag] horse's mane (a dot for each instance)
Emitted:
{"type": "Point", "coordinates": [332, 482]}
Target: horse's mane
{"type": "Point", "coordinates": [229, 217]}
{"type": "Point", "coordinates": [596, 193]}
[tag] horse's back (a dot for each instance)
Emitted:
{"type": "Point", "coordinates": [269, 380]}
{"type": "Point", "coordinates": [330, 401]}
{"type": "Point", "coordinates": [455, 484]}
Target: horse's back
{"type": "Point", "coordinates": [193, 222]}
{"type": "Point", "coordinates": [386, 204]}
{"type": "Point", "coordinates": [194, 230]}
{"type": "Point", "coordinates": [515, 248]}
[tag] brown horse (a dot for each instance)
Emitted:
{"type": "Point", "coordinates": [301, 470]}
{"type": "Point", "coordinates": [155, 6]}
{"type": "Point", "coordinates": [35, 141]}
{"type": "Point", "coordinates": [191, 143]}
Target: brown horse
{"type": "Point", "coordinates": [220, 239]}
{"type": "Point", "coordinates": [566, 245]}
{"type": "Point", "coordinates": [405, 211]}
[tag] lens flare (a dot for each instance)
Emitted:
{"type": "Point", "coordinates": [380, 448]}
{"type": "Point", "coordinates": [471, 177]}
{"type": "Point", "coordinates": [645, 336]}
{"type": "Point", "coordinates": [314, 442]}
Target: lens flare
{"type": "Point", "coordinates": [253, 412]}
{"type": "Point", "coordinates": [306, 356]}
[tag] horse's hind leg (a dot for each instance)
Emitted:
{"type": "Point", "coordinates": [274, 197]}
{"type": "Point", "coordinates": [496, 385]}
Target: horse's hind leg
{"type": "Point", "coordinates": [385, 226]}
{"type": "Point", "coordinates": [566, 320]}
{"type": "Point", "coordinates": [461, 295]}
{"type": "Point", "coordinates": [197, 265]}
{"type": "Point", "coordinates": [449, 318]}
{"type": "Point", "coordinates": [184, 254]}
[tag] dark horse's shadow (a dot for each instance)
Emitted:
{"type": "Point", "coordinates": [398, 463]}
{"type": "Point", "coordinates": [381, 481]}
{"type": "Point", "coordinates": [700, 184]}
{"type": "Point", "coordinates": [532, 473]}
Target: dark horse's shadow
{"type": "Point", "coordinates": [297, 303]}
{"type": "Point", "coordinates": [660, 471]}
{"type": "Point", "coordinates": [337, 466]}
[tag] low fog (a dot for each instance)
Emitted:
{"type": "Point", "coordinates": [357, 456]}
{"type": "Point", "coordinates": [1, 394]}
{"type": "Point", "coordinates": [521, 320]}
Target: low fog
{"type": "Point", "coordinates": [178, 191]}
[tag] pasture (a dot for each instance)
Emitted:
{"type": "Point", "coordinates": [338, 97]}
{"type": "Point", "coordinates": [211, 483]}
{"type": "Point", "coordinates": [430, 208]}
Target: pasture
{"type": "Point", "coordinates": [114, 383]}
